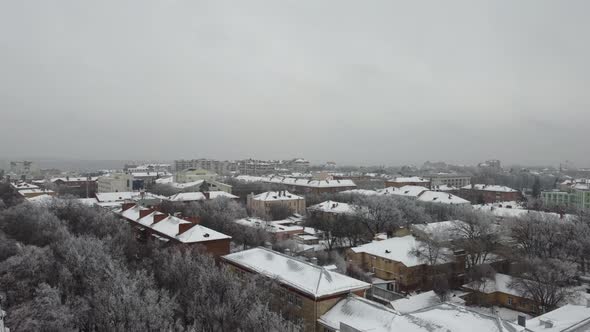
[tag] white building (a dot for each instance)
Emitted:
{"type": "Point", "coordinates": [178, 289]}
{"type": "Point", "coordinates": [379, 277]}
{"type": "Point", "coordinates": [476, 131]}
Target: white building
{"type": "Point", "coordinates": [117, 182]}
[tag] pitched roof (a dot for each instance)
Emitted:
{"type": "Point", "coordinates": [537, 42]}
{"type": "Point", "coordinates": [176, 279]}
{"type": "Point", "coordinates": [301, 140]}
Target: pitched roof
{"type": "Point", "coordinates": [396, 249]}
{"type": "Point", "coordinates": [441, 197]}
{"type": "Point", "coordinates": [308, 278]}
{"type": "Point", "coordinates": [276, 196]}
{"type": "Point", "coordinates": [333, 207]}
{"type": "Point", "coordinates": [500, 283]}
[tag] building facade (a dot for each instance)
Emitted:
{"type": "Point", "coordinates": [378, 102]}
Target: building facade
{"type": "Point", "coordinates": [449, 179]}
{"type": "Point", "coordinates": [261, 205]}
{"type": "Point", "coordinates": [484, 194]}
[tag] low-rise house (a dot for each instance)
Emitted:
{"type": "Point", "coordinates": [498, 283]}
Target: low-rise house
{"type": "Point", "coordinates": [569, 318]}
{"type": "Point", "coordinates": [407, 181]}
{"type": "Point", "coordinates": [356, 314]}
{"type": "Point", "coordinates": [498, 291]}
{"type": "Point", "coordinates": [392, 259]}
{"type": "Point", "coordinates": [482, 193]}
{"type": "Point", "coordinates": [304, 186]}
{"type": "Point", "coordinates": [278, 229]}
{"type": "Point", "coordinates": [307, 291]}
{"type": "Point", "coordinates": [261, 205]}
{"type": "Point", "coordinates": [175, 230]}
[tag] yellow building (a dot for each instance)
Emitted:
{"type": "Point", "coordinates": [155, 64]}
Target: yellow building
{"type": "Point", "coordinates": [306, 291]}
{"type": "Point", "coordinates": [261, 205]}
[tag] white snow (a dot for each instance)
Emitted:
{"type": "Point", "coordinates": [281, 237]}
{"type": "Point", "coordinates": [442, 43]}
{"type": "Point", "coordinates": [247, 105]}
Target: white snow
{"type": "Point", "coordinates": [422, 301]}
{"type": "Point", "coordinates": [333, 207]}
{"type": "Point", "coordinates": [411, 179]}
{"type": "Point", "coordinates": [499, 284]}
{"type": "Point", "coordinates": [569, 317]}
{"type": "Point", "coordinates": [490, 187]}
{"type": "Point", "coordinates": [276, 196]}
{"type": "Point", "coordinates": [441, 197]}
{"type": "Point", "coordinates": [298, 182]}
{"type": "Point", "coordinates": [395, 249]}
{"type": "Point", "coordinates": [308, 278]}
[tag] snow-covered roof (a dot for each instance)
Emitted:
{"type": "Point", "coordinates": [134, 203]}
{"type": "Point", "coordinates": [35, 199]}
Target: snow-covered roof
{"type": "Point", "coordinates": [75, 179]}
{"type": "Point", "coordinates": [410, 191]}
{"type": "Point", "coordinates": [441, 197]}
{"type": "Point", "coordinates": [504, 212]}
{"type": "Point", "coordinates": [278, 226]}
{"type": "Point", "coordinates": [411, 179]}
{"type": "Point", "coordinates": [276, 196]}
{"type": "Point", "coordinates": [490, 187]}
{"type": "Point", "coordinates": [421, 301]}
{"type": "Point", "coordinates": [444, 187]}
{"type": "Point", "coordinates": [25, 192]}
{"type": "Point", "coordinates": [298, 182]}
{"type": "Point", "coordinates": [41, 199]}
{"type": "Point", "coordinates": [365, 315]}
{"type": "Point", "coordinates": [499, 284]}
{"type": "Point", "coordinates": [444, 230]}
{"type": "Point", "coordinates": [187, 184]}
{"type": "Point", "coordinates": [333, 207]}
{"type": "Point", "coordinates": [456, 318]}
{"type": "Point", "coordinates": [308, 278]}
{"type": "Point", "coordinates": [388, 191]}
{"type": "Point", "coordinates": [187, 197]}
{"type": "Point", "coordinates": [395, 249]}
{"type": "Point", "coordinates": [219, 194]}
{"type": "Point", "coordinates": [166, 180]}
{"type": "Point", "coordinates": [115, 196]}
{"type": "Point", "coordinates": [365, 192]}
{"type": "Point", "coordinates": [23, 186]}
{"type": "Point", "coordinates": [170, 226]}
{"type": "Point", "coordinates": [567, 318]}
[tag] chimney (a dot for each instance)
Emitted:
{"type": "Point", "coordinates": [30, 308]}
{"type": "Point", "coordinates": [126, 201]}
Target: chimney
{"type": "Point", "coordinates": [268, 245]}
{"type": "Point", "coordinates": [184, 227]}
{"type": "Point", "coordinates": [127, 206]}
{"type": "Point", "coordinates": [288, 252]}
{"type": "Point", "coordinates": [159, 217]}
{"type": "Point", "coordinates": [522, 320]}
{"type": "Point", "coordinates": [207, 195]}
{"type": "Point", "coordinates": [145, 212]}
{"type": "Point", "coordinates": [314, 260]}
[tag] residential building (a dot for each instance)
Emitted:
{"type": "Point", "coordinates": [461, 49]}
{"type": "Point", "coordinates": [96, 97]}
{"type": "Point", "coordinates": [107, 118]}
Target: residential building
{"type": "Point", "coordinates": [257, 167]}
{"type": "Point", "coordinates": [188, 197]}
{"type": "Point", "coordinates": [77, 186]}
{"type": "Point", "coordinates": [23, 170]}
{"type": "Point", "coordinates": [332, 209]}
{"type": "Point", "coordinates": [494, 164]}
{"type": "Point", "coordinates": [306, 291]}
{"type": "Point", "coordinates": [262, 204]}
{"type": "Point", "coordinates": [422, 194]}
{"type": "Point", "coordinates": [151, 223]}
{"type": "Point", "coordinates": [392, 259]}
{"type": "Point", "coordinates": [278, 229]}
{"type": "Point", "coordinates": [30, 193]}
{"type": "Point", "coordinates": [570, 318]}
{"type": "Point", "coordinates": [116, 182]}
{"type": "Point", "coordinates": [498, 291]}
{"type": "Point", "coordinates": [356, 314]}
{"type": "Point", "coordinates": [399, 182]}
{"type": "Point", "coordinates": [449, 179]}
{"type": "Point", "coordinates": [576, 194]}
{"type": "Point", "coordinates": [194, 174]}
{"type": "Point", "coordinates": [216, 166]}
{"type": "Point", "coordinates": [482, 193]}
{"type": "Point", "coordinates": [304, 186]}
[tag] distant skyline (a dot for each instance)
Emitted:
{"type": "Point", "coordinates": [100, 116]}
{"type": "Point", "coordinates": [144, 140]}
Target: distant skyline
{"type": "Point", "coordinates": [359, 83]}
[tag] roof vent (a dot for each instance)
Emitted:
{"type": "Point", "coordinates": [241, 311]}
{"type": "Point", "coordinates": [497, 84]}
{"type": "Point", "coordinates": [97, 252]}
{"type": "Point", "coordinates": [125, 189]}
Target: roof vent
{"type": "Point", "coordinates": [206, 235]}
{"type": "Point", "coordinates": [387, 251]}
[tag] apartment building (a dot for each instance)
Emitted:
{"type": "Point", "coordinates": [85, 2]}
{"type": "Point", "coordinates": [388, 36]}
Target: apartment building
{"type": "Point", "coordinates": [152, 224]}
{"type": "Point", "coordinates": [24, 169]}
{"type": "Point", "coordinates": [116, 182]}
{"type": "Point", "coordinates": [399, 182]}
{"type": "Point", "coordinates": [449, 179]}
{"type": "Point", "coordinates": [261, 205]}
{"type": "Point", "coordinates": [482, 193]}
{"type": "Point", "coordinates": [195, 174]}
{"type": "Point", "coordinates": [392, 260]}
{"type": "Point", "coordinates": [217, 166]}
{"type": "Point", "coordinates": [306, 291]}
{"type": "Point", "coordinates": [78, 186]}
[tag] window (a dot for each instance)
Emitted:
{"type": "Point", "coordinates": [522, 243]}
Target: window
{"type": "Point", "coordinates": [510, 301]}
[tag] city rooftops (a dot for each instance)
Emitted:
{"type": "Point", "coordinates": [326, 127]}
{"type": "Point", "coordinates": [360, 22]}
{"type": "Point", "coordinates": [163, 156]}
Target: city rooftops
{"type": "Point", "coordinates": [282, 195]}
{"type": "Point", "coordinates": [333, 207]}
{"type": "Point", "coordinates": [310, 279]}
{"type": "Point", "coordinates": [441, 197]}
{"type": "Point", "coordinates": [411, 179]}
{"type": "Point", "coordinates": [567, 318]}
{"type": "Point", "coordinates": [490, 187]}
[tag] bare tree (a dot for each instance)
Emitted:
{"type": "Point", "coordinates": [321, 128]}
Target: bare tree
{"type": "Point", "coordinates": [546, 281]}
{"type": "Point", "coordinates": [378, 213]}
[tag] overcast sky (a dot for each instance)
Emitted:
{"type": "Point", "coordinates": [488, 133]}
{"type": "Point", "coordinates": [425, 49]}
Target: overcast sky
{"type": "Point", "coordinates": [368, 82]}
